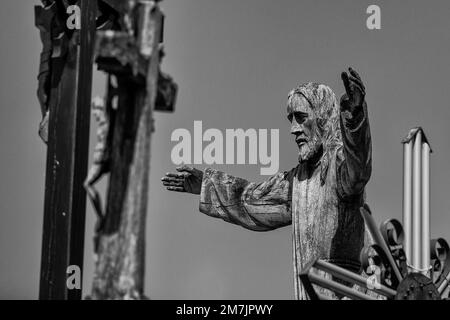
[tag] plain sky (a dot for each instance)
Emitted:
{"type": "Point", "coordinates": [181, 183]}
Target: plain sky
{"type": "Point", "coordinates": [235, 62]}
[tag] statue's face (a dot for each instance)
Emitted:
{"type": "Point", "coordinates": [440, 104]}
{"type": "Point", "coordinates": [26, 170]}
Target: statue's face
{"type": "Point", "coordinates": [304, 127]}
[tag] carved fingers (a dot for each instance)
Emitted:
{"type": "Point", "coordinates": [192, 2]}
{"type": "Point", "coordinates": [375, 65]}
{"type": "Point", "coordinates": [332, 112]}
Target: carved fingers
{"type": "Point", "coordinates": [174, 181]}
{"type": "Point", "coordinates": [187, 179]}
{"type": "Point", "coordinates": [354, 77]}
{"type": "Point", "coordinates": [355, 90]}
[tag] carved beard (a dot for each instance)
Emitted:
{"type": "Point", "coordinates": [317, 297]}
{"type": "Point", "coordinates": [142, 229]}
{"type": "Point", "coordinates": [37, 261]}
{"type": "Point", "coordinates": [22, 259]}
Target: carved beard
{"type": "Point", "coordinates": [310, 149]}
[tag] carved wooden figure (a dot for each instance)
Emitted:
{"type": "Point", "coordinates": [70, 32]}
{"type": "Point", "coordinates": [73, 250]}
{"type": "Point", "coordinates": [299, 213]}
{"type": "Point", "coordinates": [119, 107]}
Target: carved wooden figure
{"type": "Point", "coordinates": [129, 49]}
{"type": "Point", "coordinates": [320, 197]}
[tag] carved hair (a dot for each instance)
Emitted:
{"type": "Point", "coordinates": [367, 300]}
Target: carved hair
{"type": "Point", "coordinates": [323, 102]}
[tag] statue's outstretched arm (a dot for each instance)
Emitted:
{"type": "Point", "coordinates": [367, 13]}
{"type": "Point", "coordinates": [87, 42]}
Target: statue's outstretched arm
{"type": "Point", "coordinates": [256, 206]}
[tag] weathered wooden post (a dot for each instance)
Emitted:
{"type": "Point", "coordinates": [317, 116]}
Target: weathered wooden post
{"type": "Point", "coordinates": [129, 50]}
{"type": "Point", "coordinates": [65, 78]}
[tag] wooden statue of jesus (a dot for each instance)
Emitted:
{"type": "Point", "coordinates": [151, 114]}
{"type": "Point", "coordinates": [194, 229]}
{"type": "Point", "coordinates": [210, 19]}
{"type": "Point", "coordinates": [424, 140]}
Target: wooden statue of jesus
{"type": "Point", "coordinates": [320, 197]}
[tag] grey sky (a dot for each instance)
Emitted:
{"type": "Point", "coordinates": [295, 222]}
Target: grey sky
{"type": "Point", "coordinates": [235, 62]}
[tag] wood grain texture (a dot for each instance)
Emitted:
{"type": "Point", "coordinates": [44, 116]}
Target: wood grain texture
{"type": "Point", "coordinates": [120, 262]}
{"type": "Point", "coordinates": [68, 141]}
{"type": "Point", "coordinates": [320, 198]}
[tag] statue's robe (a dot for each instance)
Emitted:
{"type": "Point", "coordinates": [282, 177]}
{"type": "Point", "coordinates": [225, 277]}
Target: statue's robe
{"type": "Point", "coordinates": [321, 201]}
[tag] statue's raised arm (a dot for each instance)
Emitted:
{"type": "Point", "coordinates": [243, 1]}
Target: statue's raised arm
{"type": "Point", "coordinates": [354, 172]}
{"type": "Point", "coordinates": [320, 197]}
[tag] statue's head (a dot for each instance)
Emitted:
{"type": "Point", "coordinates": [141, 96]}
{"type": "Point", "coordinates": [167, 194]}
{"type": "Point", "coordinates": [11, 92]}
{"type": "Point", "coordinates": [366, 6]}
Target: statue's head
{"type": "Point", "coordinates": [314, 115]}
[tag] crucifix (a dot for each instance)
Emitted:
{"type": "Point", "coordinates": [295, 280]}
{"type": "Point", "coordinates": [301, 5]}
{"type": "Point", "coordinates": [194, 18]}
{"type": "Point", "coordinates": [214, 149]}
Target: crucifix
{"type": "Point", "coordinates": [64, 93]}
{"type": "Point", "coordinates": [125, 39]}
{"type": "Point", "coordinates": [129, 49]}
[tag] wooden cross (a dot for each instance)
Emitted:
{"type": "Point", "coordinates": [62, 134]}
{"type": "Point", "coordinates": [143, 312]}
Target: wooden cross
{"type": "Point", "coordinates": [130, 53]}
{"type": "Point", "coordinates": [64, 93]}
{"type": "Point", "coordinates": [129, 49]}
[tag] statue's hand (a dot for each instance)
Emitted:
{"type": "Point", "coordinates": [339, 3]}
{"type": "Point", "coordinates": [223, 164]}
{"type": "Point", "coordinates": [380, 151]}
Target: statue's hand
{"type": "Point", "coordinates": [355, 91]}
{"type": "Point", "coordinates": [187, 179]}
